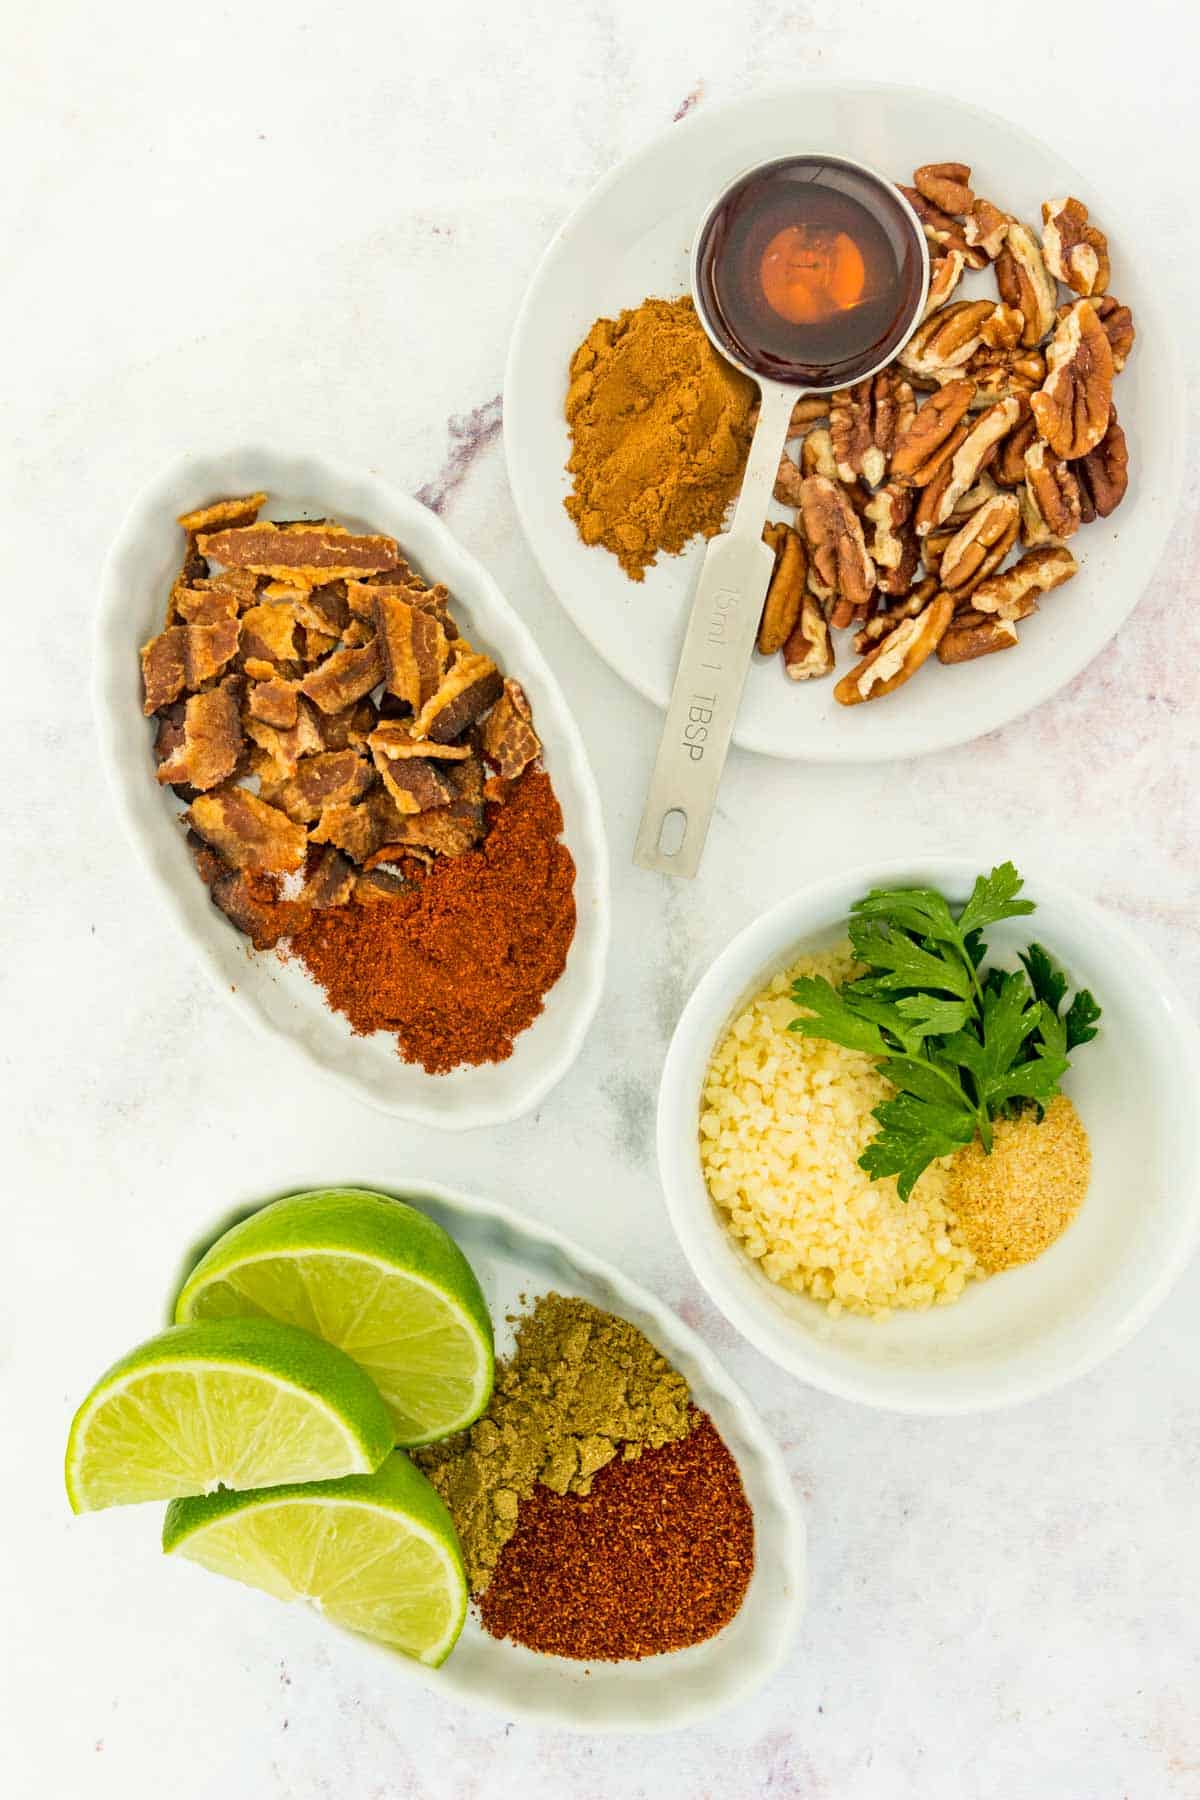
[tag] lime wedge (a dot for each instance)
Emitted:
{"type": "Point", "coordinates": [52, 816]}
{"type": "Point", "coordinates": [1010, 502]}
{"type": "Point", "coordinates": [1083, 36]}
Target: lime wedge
{"type": "Point", "coordinates": [373, 1276]}
{"type": "Point", "coordinates": [375, 1553]}
{"type": "Point", "coordinates": [242, 1402]}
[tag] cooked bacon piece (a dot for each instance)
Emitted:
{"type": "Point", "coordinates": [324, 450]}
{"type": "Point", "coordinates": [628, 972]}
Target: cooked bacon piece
{"type": "Point", "coordinates": [470, 685]}
{"type": "Point", "coordinates": [413, 645]}
{"type": "Point", "coordinates": [448, 830]}
{"type": "Point", "coordinates": [248, 833]}
{"type": "Point", "coordinates": [331, 778]}
{"type": "Point", "coordinates": [394, 739]}
{"type": "Point", "coordinates": [285, 748]}
{"type": "Point", "coordinates": [361, 597]}
{"type": "Point", "coordinates": [269, 632]}
{"type": "Point", "coordinates": [211, 739]}
{"type": "Point", "coordinates": [312, 554]}
{"type": "Point", "coordinates": [414, 782]}
{"type": "Point", "coordinates": [275, 702]}
{"type": "Point", "coordinates": [184, 657]}
{"type": "Point", "coordinates": [359, 830]}
{"type": "Point", "coordinates": [344, 677]}
{"type": "Point", "coordinates": [223, 513]}
{"type": "Point", "coordinates": [202, 605]}
{"type": "Point", "coordinates": [330, 882]}
{"type": "Point", "coordinates": [507, 735]}
{"type": "Point", "coordinates": [350, 727]}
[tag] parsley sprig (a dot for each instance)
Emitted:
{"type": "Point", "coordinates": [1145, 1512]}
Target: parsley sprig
{"type": "Point", "coordinates": [961, 1044]}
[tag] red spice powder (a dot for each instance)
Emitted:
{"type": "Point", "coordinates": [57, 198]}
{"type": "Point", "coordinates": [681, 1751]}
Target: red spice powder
{"type": "Point", "coordinates": [459, 965]}
{"type": "Point", "coordinates": [656, 1557]}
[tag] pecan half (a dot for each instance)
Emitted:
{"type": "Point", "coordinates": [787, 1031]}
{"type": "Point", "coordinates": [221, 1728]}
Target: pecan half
{"type": "Point", "coordinates": [946, 185]}
{"type": "Point", "coordinates": [809, 650]}
{"type": "Point", "coordinates": [999, 373]}
{"type": "Point", "coordinates": [1053, 491]}
{"type": "Point", "coordinates": [810, 409]}
{"type": "Point", "coordinates": [843, 570]}
{"type": "Point", "coordinates": [1117, 321]}
{"type": "Point", "coordinates": [986, 228]}
{"type": "Point", "coordinates": [908, 606]}
{"type": "Point", "coordinates": [864, 423]}
{"type": "Point", "coordinates": [979, 547]}
{"type": "Point", "coordinates": [1075, 251]}
{"type": "Point", "coordinates": [899, 656]}
{"type": "Point", "coordinates": [893, 546]}
{"type": "Point", "coordinates": [945, 273]}
{"type": "Point", "coordinates": [781, 608]}
{"type": "Point", "coordinates": [947, 339]}
{"type": "Point", "coordinates": [1024, 281]}
{"type": "Point", "coordinates": [1103, 474]}
{"type": "Point", "coordinates": [921, 449]}
{"type": "Point", "coordinates": [967, 464]}
{"type": "Point", "coordinates": [942, 230]}
{"type": "Point", "coordinates": [787, 481]}
{"type": "Point", "coordinates": [1009, 466]}
{"type": "Point", "coordinates": [1073, 406]}
{"type": "Point", "coordinates": [1002, 331]}
{"type": "Point", "coordinates": [1013, 593]}
{"type": "Point", "coordinates": [973, 634]}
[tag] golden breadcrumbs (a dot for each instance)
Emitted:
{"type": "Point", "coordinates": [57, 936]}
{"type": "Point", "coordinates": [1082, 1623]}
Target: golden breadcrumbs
{"type": "Point", "coordinates": [783, 1122]}
{"type": "Point", "coordinates": [1012, 1204]}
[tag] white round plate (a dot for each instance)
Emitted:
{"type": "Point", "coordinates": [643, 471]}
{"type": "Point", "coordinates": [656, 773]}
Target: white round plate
{"type": "Point", "coordinates": [1029, 1330]}
{"type": "Point", "coordinates": [631, 238]}
{"type": "Point", "coordinates": [276, 996]}
{"type": "Point", "coordinates": [516, 1260]}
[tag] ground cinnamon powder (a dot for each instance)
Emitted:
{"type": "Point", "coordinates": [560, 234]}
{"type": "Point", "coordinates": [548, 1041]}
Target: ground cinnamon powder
{"type": "Point", "coordinates": [656, 1557]}
{"type": "Point", "coordinates": [457, 966]}
{"type": "Point", "coordinates": [660, 429]}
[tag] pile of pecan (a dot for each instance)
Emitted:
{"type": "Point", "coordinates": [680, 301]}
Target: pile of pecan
{"type": "Point", "coordinates": [993, 432]}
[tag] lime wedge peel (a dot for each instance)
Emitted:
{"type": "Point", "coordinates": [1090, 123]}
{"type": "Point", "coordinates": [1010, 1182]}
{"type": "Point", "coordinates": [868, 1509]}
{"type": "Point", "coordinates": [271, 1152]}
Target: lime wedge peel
{"type": "Point", "coordinates": [246, 1403]}
{"type": "Point", "coordinates": [376, 1554]}
{"type": "Point", "coordinates": [377, 1278]}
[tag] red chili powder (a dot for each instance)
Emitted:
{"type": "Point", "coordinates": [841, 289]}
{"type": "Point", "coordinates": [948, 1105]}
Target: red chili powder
{"type": "Point", "coordinates": [656, 1557]}
{"type": "Point", "coordinates": [458, 966]}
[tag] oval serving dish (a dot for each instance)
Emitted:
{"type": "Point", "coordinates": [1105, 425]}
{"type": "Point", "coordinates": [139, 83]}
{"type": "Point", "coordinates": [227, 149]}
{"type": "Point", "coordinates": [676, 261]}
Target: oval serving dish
{"type": "Point", "coordinates": [274, 996]}
{"type": "Point", "coordinates": [517, 1259]}
{"type": "Point", "coordinates": [1031, 1329]}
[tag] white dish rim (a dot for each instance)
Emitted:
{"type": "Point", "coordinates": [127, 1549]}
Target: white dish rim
{"type": "Point", "coordinates": [112, 646]}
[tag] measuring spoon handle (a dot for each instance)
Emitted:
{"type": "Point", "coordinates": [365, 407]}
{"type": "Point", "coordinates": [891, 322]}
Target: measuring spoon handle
{"type": "Point", "coordinates": [714, 661]}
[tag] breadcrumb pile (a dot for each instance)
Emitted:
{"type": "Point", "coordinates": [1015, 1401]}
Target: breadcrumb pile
{"type": "Point", "coordinates": [783, 1122]}
{"type": "Point", "coordinates": [1012, 1204]}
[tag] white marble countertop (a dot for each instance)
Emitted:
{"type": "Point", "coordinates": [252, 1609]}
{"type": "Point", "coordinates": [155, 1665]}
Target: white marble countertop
{"type": "Point", "coordinates": [314, 223]}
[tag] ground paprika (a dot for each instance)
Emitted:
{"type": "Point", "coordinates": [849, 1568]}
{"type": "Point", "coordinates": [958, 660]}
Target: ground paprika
{"type": "Point", "coordinates": [459, 963]}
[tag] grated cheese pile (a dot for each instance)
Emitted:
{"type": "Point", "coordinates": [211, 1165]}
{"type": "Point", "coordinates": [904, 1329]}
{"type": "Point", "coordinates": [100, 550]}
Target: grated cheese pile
{"type": "Point", "coordinates": [783, 1122]}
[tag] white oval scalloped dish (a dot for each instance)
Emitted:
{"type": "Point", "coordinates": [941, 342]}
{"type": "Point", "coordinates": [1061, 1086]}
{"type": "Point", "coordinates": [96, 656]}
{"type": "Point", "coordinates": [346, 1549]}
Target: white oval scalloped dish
{"type": "Point", "coordinates": [516, 1259]}
{"type": "Point", "coordinates": [277, 997]}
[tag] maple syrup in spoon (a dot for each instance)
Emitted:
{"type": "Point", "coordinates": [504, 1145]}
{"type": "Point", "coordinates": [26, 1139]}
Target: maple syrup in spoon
{"type": "Point", "coordinates": [808, 271]}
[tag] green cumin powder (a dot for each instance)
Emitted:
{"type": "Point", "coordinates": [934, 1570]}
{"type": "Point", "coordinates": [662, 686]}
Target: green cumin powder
{"type": "Point", "coordinates": [580, 1388]}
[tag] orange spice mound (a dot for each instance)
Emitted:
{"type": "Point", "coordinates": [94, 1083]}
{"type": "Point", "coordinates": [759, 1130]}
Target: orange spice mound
{"type": "Point", "coordinates": [458, 965]}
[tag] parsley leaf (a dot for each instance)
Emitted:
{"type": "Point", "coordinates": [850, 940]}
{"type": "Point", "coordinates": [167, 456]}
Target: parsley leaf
{"type": "Point", "coordinates": [960, 1042]}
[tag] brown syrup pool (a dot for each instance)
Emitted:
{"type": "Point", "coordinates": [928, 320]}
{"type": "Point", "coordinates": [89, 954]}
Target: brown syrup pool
{"type": "Point", "coordinates": [810, 271]}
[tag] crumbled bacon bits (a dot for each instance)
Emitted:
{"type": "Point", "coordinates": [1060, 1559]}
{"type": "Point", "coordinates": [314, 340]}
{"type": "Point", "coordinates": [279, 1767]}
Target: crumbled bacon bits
{"type": "Point", "coordinates": [318, 708]}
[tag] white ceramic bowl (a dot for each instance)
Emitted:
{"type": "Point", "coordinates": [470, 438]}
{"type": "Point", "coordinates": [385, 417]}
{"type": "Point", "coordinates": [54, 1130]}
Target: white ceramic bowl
{"type": "Point", "coordinates": [277, 997]}
{"type": "Point", "coordinates": [1028, 1330]}
{"type": "Point", "coordinates": [516, 1258]}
